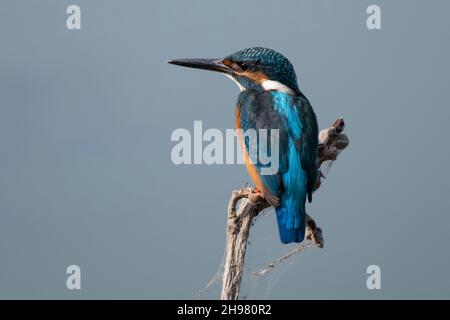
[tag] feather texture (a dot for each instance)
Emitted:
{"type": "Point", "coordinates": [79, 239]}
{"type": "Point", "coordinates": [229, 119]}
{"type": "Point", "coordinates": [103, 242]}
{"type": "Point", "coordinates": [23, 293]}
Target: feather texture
{"type": "Point", "coordinates": [288, 189]}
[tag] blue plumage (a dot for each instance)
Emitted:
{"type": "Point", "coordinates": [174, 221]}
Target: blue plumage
{"type": "Point", "coordinates": [271, 99]}
{"type": "Point", "coordinates": [291, 185]}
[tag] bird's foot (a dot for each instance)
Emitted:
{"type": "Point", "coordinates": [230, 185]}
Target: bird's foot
{"type": "Point", "coordinates": [255, 195]}
{"type": "Point", "coordinates": [313, 232]}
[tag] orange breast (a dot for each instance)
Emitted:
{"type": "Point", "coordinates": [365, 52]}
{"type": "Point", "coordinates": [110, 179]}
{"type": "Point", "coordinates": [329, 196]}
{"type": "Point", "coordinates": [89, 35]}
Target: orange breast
{"type": "Point", "coordinates": [253, 173]}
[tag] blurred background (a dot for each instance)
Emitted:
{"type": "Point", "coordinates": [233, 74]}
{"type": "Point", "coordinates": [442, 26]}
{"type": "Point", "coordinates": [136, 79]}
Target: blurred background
{"type": "Point", "coordinates": [86, 176]}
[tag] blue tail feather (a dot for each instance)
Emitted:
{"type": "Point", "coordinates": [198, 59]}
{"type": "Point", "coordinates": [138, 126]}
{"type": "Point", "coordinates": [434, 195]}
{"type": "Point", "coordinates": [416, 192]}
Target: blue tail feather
{"type": "Point", "coordinates": [289, 231]}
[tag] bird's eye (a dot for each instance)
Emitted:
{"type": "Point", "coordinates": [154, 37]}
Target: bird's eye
{"type": "Point", "coordinates": [243, 65]}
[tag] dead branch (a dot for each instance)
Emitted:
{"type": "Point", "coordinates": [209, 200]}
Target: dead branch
{"type": "Point", "coordinates": [331, 142]}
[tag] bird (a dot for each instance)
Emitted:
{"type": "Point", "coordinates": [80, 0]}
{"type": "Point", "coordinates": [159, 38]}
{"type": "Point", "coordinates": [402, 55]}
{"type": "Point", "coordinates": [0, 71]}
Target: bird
{"type": "Point", "coordinates": [270, 98]}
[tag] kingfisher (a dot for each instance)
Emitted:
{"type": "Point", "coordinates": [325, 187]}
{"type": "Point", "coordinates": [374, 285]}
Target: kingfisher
{"type": "Point", "coordinates": [271, 99]}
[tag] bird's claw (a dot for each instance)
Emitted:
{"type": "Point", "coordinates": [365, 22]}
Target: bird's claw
{"type": "Point", "coordinates": [314, 233]}
{"type": "Point", "coordinates": [255, 195]}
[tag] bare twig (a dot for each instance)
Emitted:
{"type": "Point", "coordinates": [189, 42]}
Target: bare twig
{"type": "Point", "coordinates": [313, 233]}
{"type": "Point", "coordinates": [331, 142]}
{"type": "Point", "coordinates": [271, 265]}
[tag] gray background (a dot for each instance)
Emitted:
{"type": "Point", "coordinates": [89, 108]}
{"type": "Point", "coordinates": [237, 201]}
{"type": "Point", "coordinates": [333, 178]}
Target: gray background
{"type": "Point", "coordinates": [85, 170]}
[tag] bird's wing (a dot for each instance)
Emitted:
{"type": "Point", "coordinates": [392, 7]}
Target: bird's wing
{"type": "Point", "coordinates": [255, 111]}
{"type": "Point", "coordinates": [307, 143]}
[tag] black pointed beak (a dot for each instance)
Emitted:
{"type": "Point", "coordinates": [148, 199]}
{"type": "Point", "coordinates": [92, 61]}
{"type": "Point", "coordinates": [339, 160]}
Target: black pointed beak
{"type": "Point", "coordinates": [205, 64]}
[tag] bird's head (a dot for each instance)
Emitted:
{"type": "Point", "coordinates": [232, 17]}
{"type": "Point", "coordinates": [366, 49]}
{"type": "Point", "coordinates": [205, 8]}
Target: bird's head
{"type": "Point", "coordinates": [253, 68]}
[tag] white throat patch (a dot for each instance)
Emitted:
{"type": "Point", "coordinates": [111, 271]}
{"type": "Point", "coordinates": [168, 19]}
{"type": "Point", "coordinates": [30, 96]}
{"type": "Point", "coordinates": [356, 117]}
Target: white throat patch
{"type": "Point", "coordinates": [278, 86]}
{"type": "Point", "coordinates": [267, 85]}
{"type": "Point", "coordinates": [241, 87]}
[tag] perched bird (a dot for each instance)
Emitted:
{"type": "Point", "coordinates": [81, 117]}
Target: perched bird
{"type": "Point", "coordinates": [271, 99]}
